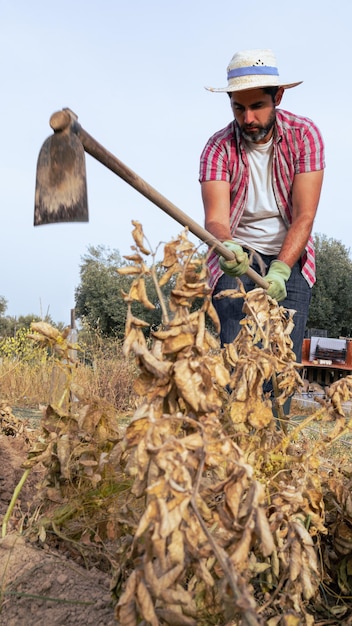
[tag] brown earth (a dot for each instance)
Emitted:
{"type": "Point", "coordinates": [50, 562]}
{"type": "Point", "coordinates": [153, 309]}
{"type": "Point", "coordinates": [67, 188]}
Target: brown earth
{"type": "Point", "coordinates": [42, 585]}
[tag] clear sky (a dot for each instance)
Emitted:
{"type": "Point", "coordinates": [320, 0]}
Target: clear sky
{"type": "Point", "coordinates": [134, 73]}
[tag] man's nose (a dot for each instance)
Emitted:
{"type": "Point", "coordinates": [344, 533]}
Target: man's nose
{"type": "Point", "coordinates": [248, 116]}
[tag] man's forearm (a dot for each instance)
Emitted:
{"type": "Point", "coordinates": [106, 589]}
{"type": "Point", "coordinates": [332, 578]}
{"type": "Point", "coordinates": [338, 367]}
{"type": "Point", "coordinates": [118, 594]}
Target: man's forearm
{"type": "Point", "coordinates": [295, 242]}
{"type": "Point", "coordinates": [218, 230]}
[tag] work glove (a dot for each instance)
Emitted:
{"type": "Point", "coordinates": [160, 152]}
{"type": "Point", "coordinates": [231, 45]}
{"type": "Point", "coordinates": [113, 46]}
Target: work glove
{"type": "Point", "coordinates": [277, 276]}
{"type": "Point", "coordinates": [239, 265]}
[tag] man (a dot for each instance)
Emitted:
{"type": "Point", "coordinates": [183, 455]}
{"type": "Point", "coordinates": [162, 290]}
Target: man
{"type": "Point", "coordinates": [261, 178]}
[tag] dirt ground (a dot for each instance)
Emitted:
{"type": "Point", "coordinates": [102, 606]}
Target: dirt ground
{"type": "Point", "coordinates": [41, 586]}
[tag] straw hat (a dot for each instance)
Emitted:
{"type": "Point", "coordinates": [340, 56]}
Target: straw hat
{"type": "Point", "coordinates": [253, 69]}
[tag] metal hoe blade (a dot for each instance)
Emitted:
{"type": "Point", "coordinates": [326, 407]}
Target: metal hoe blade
{"type": "Point", "coordinates": [61, 188]}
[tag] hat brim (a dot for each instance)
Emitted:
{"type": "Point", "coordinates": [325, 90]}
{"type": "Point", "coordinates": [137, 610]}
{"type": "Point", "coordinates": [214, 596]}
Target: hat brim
{"type": "Point", "coordinates": [231, 88]}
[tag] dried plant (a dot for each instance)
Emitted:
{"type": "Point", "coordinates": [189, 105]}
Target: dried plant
{"type": "Point", "coordinates": [227, 518]}
{"type": "Point", "coordinates": [234, 509]}
{"type": "Point", "coordinates": [77, 446]}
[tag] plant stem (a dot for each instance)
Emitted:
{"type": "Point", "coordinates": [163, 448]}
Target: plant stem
{"type": "Point", "coordinates": [165, 315]}
{"type": "Point", "coordinates": [15, 495]}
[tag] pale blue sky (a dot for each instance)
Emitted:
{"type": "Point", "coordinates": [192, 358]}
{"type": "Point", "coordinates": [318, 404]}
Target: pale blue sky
{"type": "Point", "coordinates": [134, 72]}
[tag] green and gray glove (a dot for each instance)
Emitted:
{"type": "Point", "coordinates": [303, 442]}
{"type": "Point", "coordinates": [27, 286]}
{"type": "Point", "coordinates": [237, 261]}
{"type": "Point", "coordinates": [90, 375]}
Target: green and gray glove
{"type": "Point", "coordinates": [277, 276]}
{"type": "Point", "coordinates": [239, 265]}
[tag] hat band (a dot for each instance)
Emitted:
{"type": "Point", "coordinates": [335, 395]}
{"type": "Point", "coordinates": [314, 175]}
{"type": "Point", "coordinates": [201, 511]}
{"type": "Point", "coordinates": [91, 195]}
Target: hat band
{"type": "Point", "coordinates": [253, 69]}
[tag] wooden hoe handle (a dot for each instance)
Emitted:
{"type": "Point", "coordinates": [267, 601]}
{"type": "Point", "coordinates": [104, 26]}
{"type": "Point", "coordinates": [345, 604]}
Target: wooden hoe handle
{"type": "Point", "coordinates": [66, 119]}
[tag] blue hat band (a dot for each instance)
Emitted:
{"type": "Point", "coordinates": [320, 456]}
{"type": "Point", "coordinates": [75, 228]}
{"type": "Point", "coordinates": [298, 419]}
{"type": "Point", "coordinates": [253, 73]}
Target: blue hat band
{"type": "Point", "coordinates": [266, 70]}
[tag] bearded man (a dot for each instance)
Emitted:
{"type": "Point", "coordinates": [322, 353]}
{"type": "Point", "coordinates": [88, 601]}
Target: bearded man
{"type": "Point", "coordinates": [261, 178]}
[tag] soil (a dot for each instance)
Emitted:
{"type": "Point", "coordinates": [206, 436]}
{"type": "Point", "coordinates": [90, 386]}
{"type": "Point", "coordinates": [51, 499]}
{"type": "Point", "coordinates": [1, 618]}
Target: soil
{"type": "Point", "coordinates": [42, 585]}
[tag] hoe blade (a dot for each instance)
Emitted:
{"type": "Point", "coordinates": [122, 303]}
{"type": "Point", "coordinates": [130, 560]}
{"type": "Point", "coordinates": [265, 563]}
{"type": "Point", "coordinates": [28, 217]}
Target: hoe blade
{"type": "Point", "coordinates": [61, 188]}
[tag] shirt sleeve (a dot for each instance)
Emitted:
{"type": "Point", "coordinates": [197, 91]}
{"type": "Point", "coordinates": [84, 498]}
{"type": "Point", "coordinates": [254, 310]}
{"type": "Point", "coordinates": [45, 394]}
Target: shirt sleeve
{"type": "Point", "coordinates": [312, 153]}
{"type": "Point", "coordinates": [216, 156]}
{"type": "Point", "coordinates": [213, 163]}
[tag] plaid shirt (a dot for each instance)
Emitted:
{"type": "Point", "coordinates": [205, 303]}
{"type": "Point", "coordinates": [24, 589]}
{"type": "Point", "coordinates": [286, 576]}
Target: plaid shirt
{"type": "Point", "coordinates": [298, 147]}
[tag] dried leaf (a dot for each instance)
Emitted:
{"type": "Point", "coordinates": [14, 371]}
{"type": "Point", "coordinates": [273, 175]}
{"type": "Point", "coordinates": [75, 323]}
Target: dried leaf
{"type": "Point", "coordinates": [176, 618]}
{"type": "Point", "coordinates": [138, 293]}
{"type": "Point", "coordinates": [88, 462]}
{"type": "Point", "coordinates": [136, 258]}
{"type": "Point", "coordinates": [295, 559]}
{"type": "Point", "coordinates": [175, 344]}
{"type": "Point", "coordinates": [129, 270]}
{"type": "Point", "coordinates": [165, 278]}
{"type": "Point", "coordinates": [136, 430]}
{"type": "Point", "coordinates": [42, 534]}
{"type": "Point", "coordinates": [171, 519]}
{"type": "Point", "coordinates": [134, 337]}
{"type": "Point", "coordinates": [309, 585]}
{"type": "Point", "coordinates": [204, 573]}
{"type": "Point", "coordinates": [64, 454]}
{"type": "Point", "coordinates": [126, 607]}
{"type": "Point", "coordinates": [149, 516]}
{"type": "Point", "coordinates": [160, 369]}
{"type": "Point", "coordinates": [39, 453]}
{"type": "Point", "coordinates": [162, 335]}
{"type": "Point", "coordinates": [170, 254]}
{"type": "Point", "coordinates": [134, 322]}
{"type": "Point", "coordinates": [146, 604]}
{"type": "Point", "coordinates": [263, 531]}
{"type": "Point", "coordinates": [239, 557]}
{"type": "Point", "coordinates": [45, 329]}
{"type": "Point", "coordinates": [260, 413]}
{"type": "Point", "coordinates": [138, 236]}
{"type": "Point", "coordinates": [176, 548]}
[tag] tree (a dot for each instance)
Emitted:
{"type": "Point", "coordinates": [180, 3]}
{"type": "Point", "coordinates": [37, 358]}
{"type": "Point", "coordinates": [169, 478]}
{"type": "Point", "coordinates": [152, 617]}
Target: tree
{"type": "Point", "coordinates": [331, 306]}
{"type": "Point", "coordinates": [98, 298]}
{"type": "Point", "coordinates": [10, 325]}
{"type": "Point", "coordinates": [3, 322]}
{"type": "Point", "coordinates": [3, 305]}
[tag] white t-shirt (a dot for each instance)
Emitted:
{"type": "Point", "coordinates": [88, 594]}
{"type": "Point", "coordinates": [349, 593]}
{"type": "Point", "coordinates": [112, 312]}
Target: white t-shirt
{"type": "Point", "coordinates": [261, 226]}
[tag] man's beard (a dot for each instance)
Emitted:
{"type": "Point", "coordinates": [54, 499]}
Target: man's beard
{"type": "Point", "coordinates": [261, 131]}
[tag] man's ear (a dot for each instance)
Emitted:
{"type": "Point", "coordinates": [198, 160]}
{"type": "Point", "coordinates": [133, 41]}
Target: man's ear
{"type": "Point", "coordinates": [278, 97]}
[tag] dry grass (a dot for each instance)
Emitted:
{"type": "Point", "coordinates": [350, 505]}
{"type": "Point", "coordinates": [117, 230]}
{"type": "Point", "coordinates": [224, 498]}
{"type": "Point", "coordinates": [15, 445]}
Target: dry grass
{"type": "Point", "coordinates": [38, 381]}
{"type": "Point", "coordinates": [336, 454]}
{"type": "Point", "coordinates": [26, 384]}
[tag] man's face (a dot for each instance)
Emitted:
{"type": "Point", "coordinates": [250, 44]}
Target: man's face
{"type": "Point", "coordinates": [255, 114]}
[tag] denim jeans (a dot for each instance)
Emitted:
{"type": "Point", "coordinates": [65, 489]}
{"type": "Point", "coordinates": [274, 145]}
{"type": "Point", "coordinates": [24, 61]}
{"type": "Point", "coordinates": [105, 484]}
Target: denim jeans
{"type": "Point", "coordinates": [298, 298]}
{"type": "Point", "coordinates": [230, 312]}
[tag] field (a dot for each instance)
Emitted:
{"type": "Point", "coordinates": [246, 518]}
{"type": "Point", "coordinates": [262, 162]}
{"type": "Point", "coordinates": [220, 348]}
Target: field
{"type": "Point", "coordinates": [52, 582]}
{"type": "Point", "coordinates": [49, 582]}
{"type": "Point", "coordinates": [157, 487]}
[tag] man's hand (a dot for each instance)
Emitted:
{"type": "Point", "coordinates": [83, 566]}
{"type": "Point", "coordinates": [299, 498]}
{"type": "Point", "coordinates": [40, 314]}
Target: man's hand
{"type": "Point", "coordinates": [277, 276]}
{"type": "Point", "coordinates": [240, 263]}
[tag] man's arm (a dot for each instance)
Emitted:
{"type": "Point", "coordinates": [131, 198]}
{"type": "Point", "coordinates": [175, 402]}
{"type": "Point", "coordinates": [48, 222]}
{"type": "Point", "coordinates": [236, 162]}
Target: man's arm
{"type": "Point", "coordinates": [216, 201]}
{"type": "Point", "coordinates": [305, 198]}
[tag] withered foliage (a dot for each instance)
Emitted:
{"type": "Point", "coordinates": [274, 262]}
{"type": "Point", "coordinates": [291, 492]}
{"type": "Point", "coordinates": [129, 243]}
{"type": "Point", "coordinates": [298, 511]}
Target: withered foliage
{"type": "Point", "coordinates": [262, 352]}
{"type": "Point", "coordinates": [234, 508]}
{"type": "Point", "coordinates": [10, 425]}
{"type": "Point", "coordinates": [232, 517]}
{"type": "Point", "coordinates": [78, 448]}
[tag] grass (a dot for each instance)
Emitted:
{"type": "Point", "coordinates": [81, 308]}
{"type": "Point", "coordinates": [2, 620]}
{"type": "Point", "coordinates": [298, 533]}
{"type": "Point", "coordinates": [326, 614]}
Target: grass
{"type": "Point", "coordinates": [39, 380]}
{"type": "Point", "coordinates": [341, 450]}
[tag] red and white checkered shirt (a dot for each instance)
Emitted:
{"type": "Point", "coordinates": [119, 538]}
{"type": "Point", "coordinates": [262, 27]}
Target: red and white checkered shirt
{"type": "Point", "coordinates": [298, 147]}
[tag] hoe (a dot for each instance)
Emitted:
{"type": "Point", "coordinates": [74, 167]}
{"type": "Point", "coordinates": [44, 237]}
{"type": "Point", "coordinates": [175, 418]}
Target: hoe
{"type": "Point", "coordinates": [61, 187]}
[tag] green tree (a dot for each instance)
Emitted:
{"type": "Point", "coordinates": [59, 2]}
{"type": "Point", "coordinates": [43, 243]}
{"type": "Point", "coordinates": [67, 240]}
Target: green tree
{"type": "Point", "coordinates": [331, 306]}
{"type": "Point", "coordinates": [10, 325]}
{"type": "Point", "coordinates": [3, 305]}
{"type": "Point", "coordinates": [3, 322]}
{"type": "Point", "coordinates": [98, 298]}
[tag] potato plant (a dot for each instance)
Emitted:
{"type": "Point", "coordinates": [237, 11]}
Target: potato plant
{"type": "Point", "coordinates": [229, 515]}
